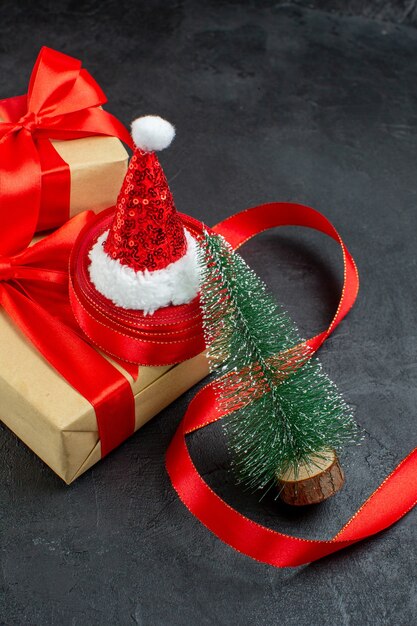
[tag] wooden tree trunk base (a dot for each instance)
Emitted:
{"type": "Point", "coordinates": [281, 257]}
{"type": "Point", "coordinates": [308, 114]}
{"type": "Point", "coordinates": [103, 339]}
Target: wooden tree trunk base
{"type": "Point", "coordinates": [314, 481]}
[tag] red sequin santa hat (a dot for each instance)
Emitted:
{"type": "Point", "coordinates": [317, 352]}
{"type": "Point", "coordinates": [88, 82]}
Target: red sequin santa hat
{"type": "Point", "coordinates": [134, 268]}
{"type": "Point", "coordinates": [146, 260]}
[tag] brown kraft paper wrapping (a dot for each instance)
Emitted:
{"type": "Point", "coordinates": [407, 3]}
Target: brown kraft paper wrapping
{"type": "Point", "coordinates": [97, 167]}
{"type": "Point", "coordinates": [54, 420]}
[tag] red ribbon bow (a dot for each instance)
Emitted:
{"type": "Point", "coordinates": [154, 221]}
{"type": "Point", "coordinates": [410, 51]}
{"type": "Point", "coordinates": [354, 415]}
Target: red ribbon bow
{"type": "Point", "coordinates": [63, 102]}
{"type": "Point", "coordinates": [34, 293]}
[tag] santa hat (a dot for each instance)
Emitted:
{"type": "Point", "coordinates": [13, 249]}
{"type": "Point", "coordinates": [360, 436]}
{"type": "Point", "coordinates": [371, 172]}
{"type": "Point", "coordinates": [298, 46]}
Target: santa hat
{"type": "Point", "coordinates": [146, 260]}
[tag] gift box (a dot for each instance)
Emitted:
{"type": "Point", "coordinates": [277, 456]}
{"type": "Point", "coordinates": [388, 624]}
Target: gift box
{"type": "Point", "coordinates": [56, 421]}
{"type": "Point", "coordinates": [60, 152]}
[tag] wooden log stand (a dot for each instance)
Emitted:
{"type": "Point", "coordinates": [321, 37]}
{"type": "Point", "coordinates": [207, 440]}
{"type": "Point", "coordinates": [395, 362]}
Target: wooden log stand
{"type": "Point", "coordinates": [314, 481]}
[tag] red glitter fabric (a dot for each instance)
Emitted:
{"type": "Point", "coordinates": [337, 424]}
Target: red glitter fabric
{"type": "Point", "coordinates": [147, 232]}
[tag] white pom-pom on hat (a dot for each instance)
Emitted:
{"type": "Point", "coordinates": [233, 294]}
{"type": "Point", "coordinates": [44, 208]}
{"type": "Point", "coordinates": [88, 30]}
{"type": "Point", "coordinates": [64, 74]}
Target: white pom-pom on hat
{"type": "Point", "coordinates": [151, 132]}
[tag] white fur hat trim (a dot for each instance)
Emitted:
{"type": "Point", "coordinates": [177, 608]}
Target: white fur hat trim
{"type": "Point", "coordinates": [178, 283]}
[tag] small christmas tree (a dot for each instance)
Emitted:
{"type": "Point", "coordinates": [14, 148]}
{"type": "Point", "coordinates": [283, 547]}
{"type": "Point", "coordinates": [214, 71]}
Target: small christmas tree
{"type": "Point", "coordinates": [282, 408]}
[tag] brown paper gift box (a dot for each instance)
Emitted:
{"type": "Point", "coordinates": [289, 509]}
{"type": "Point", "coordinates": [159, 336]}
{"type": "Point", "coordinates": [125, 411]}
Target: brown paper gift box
{"type": "Point", "coordinates": [54, 420]}
{"type": "Point", "coordinates": [97, 167]}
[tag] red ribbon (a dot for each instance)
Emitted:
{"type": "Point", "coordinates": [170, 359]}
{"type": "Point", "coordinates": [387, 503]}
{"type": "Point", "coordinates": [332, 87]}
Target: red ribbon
{"type": "Point", "coordinates": [171, 335]}
{"type": "Point", "coordinates": [34, 293]}
{"type": "Point", "coordinates": [63, 102]}
{"type": "Point", "coordinates": [391, 501]}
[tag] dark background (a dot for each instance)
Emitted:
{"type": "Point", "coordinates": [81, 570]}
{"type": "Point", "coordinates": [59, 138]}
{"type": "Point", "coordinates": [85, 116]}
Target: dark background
{"type": "Point", "coordinates": [272, 101]}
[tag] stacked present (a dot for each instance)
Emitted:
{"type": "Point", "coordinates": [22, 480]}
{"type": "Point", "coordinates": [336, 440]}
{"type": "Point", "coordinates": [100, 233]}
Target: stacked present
{"type": "Point", "coordinates": [61, 155]}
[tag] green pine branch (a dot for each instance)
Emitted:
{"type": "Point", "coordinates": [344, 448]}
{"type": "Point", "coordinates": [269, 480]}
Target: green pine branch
{"type": "Point", "coordinates": [281, 406]}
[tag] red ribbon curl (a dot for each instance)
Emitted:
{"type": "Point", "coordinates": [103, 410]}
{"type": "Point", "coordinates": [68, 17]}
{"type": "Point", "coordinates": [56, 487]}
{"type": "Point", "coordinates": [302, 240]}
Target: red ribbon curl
{"type": "Point", "coordinates": [392, 500]}
{"type": "Point", "coordinates": [63, 102]}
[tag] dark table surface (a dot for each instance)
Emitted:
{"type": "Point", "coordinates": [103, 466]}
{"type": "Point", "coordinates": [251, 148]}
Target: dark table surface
{"type": "Point", "coordinates": [271, 102]}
